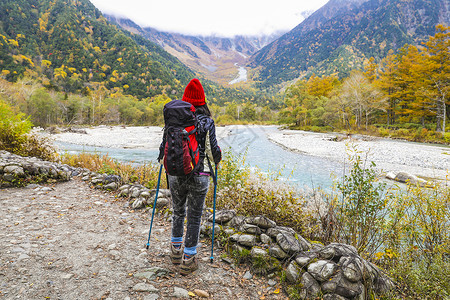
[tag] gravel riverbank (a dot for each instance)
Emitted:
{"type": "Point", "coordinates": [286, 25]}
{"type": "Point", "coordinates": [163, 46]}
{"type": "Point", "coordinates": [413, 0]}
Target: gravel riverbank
{"type": "Point", "coordinates": [424, 160]}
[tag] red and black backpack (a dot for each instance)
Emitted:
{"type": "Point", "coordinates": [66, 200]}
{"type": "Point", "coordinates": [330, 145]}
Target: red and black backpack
{"type": "Point", "coordinates": [181, 151]}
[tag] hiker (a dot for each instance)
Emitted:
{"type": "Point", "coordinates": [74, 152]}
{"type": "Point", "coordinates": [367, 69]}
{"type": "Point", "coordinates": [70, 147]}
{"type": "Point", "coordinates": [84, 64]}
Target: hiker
{"type": "Point", "coordinates": [190, 190]}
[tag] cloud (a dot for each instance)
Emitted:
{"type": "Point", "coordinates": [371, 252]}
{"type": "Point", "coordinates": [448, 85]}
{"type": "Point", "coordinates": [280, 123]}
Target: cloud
{"type": "Point", "coordinates": [206, 17]}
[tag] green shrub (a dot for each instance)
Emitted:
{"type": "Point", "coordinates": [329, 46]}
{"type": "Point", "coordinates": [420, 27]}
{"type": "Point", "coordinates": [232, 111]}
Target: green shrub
{"type": "Point", "coordinates": [15, 135]}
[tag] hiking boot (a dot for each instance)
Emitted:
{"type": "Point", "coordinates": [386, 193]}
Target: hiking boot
{"type": "Point", "coordinates": [189, 265]}
{"type": "Point", "coordinates": [176, 255]}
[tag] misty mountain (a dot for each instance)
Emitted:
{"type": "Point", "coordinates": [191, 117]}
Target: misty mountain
{"type": "Point", "coordinates": [70, 46]}
{"type": "Point", "coordinates": [342, 34]}
{"type": "Point", "coordinates": [213, 57]}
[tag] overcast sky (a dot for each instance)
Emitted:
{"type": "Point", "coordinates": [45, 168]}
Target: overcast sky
{"type": "Point", "coordinates": [212, 17]}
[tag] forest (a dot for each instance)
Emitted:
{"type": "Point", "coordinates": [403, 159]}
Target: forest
{"type": "Point", "coordinates": [62, 63]}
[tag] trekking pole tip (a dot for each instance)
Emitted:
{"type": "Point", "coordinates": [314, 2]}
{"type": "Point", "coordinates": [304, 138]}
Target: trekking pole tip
{"type": "Point", "coordinates": [211, 259]}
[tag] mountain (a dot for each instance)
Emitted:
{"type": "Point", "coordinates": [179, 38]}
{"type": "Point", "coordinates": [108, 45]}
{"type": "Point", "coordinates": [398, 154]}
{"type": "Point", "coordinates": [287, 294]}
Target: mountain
{"type": "Point", "coordinates": [344, 33]}
{"type": "Point", "coordinates": [215, 58]}
{"type": "Point", "coordinates": [69, 45]}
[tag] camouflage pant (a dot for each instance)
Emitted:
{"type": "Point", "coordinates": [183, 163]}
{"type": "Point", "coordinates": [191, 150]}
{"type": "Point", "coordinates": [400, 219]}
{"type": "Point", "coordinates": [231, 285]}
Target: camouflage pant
{"type": "Point", "coordinates": [190, 192]}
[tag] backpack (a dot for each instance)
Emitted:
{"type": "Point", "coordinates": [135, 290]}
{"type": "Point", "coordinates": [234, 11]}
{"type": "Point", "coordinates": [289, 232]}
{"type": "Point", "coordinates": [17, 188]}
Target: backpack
{"type": "Point", "coordinates": [181, 151]}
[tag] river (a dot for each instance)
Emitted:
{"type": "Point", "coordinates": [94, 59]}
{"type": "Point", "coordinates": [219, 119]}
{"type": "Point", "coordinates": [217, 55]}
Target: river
{"type": "Point", "coordinates": [297, 169]}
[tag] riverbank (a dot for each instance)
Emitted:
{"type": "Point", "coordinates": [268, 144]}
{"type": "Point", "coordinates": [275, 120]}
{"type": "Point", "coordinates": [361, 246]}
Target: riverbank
{"type": "Point", "coordinates": [423, 160]}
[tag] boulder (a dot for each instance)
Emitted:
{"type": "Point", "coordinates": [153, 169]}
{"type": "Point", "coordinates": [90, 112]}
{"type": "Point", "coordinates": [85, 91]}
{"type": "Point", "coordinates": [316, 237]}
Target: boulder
{"type": "Point", "coordinates": [293, 272]}
{"type": "Point", "coordinates": [247, 240]}
{"type": "Point", "coordinates": [289, 243]}
{"type": "Point", "coordinates": [341, 286]}
{"type": "Point", "coordinates": [352, 268]}
{"type": "Point", "coordinates": [335, 251]}
{"type": "Point", "coordinates": [259, 252]}
{"type": "Point", "coordinates": [223, 216]}
{"type": "Point", "coordinates": [277, 252]}
{"type": "Point", "coordinates": [405, 177]}
{"type": "Point", "coordinates": [252, 229]}
{"type": "Point", "coordinates": [261, 221]}
{"type": "Point", "coordinates": [311, 287]}
{"type": "Point", "coordinates": [303, 259]}
{"type": "Point", "coordinates": [322, 270]}
{"type": "Point", "coordinates": [274, 231]}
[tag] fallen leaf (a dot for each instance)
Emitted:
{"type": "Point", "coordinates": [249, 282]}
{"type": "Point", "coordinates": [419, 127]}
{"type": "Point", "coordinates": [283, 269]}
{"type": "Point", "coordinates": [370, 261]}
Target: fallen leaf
{"type": "Point", "coordinates": [277, 291]}
{"type": "Point", "coordinates": [191, 294]}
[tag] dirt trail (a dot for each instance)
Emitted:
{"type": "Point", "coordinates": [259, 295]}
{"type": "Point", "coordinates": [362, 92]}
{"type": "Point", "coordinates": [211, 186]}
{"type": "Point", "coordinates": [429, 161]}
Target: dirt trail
{"type": "Point", "coordinates": [69, 241]}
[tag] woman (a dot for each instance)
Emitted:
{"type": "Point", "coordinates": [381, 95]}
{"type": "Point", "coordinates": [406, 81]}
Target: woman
{"type": "Point", "coordinates": [191, 190]}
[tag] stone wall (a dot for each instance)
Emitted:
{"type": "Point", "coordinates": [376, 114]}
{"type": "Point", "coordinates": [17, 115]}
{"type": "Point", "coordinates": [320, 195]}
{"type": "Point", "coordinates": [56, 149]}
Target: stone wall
{"type": "Point", "coordinates": [16, 170]}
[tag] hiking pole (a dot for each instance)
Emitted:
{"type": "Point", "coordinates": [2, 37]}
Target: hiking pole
{"type": "Point", "coordinates": [214, 214]}
{"type": "Point", "coordinates": [154, 206]}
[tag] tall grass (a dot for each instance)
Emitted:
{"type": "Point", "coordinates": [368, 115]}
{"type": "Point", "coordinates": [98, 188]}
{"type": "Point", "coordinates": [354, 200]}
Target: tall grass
{"type": "Point", "coordinates": [145, 174]}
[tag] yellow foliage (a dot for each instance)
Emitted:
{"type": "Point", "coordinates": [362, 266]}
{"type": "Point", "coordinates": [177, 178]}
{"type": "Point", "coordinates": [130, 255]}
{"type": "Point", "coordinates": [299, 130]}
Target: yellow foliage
{"type": "Point", "coordinates": [13, 42]}
{"type": "Point", "coordinates": [46, 63]}
{"type": "Point", "coordinates": [119, 59]}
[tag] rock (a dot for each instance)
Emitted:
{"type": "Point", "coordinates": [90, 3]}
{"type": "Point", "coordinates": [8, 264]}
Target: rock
{"type": "Point", "coordinates": [289, 243]}
{"type": "Point", "coordinates": [112, 178]}
{"type": "Point", "coordinates": [304, 258]}
{"type": "Point", "coordinates": [223, 216]}
{"type": "Point", "coordinates": [274, 231]}
{"type": "Point", "coordinates": [333, 297]}
{"type": "Point", "coordinates": [258, 252]}
{"type": "Point", "coordinates": [271, 282]}
{"type": "Point", "coordinates": [144, 287]}
{"type": "Point", "coordinates": [229, 231]}
{"type": "Point", "coordinates": [201, 293]}
{"type": "Point", "coordinates": [138, 203]}
{"type": "Point", "coordinates": [277, 252]}
{"type": "Point", "coordinates": [152, 273]}
{"type": "Point", "coordinates": [248, 275]}
{"type": "Point", "coordinates": [135, 192]}
{"type": "Point", "coordinates": [261, 221]}
{"type": "Point", "coordinates": [252, 229]}
{"type": "Point", "coordinates": [293, 272]}
{"type": "Point", "coordinates": [14, 170]}
{"type": "Point", "coordinates": [311, 287]}
{"type": "Point", "coordinates": [352, 268]}
{"type": "Point", "coordinates": [111, 186]}
{"type": "Point", "coordinates": [235, 237]}
{"type": "Point", "coordinates": [335, 251]}
{"type": "Point", "coordinates": [247, 240]}
{"type": "Point", "coordinates": [237, 222]}
{"type": "Point", "coordinates": [161, 202]}
{"type": "Point", "coordinates": [412, 179]}
{"type": "Point", "coordinates": [341, 286]}
{"type": "Point", "coordinates": [23, 256]}
{"type": "Point", "coordinates": [66, 276]}
{"type": "Point", "coordinates": [180, 293]}
{"type": "Point", "coordinates": [265, 239]}
{"type": "Point", "coordinates": [322, 270]}
{"type": "Point", "coordinates": [151, 297]}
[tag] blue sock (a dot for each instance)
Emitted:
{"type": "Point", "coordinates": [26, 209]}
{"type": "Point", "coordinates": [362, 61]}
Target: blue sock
{"type": "Point", "coordinates": [177, 242]}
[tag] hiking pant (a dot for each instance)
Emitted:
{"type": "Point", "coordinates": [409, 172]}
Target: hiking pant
{"type": "Point", "coordinates": [190, 192]}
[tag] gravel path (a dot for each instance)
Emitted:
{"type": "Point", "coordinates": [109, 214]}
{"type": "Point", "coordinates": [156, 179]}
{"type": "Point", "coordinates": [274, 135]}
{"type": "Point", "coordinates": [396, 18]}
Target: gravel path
{"type": "Point", "coordinates": [69, 241]}
{"type": "Point", "coordinates": [395, 156]}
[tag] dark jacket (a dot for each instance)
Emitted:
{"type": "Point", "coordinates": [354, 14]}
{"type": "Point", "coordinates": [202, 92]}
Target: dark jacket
{"type": "Point", "coordinates": [207, 143]}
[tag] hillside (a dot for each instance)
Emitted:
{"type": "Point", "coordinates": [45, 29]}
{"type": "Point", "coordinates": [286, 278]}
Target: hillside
{"type": "Point", "coordinates": [215, 58]}
{"type": "Point", "coordinates": [69, 45]}
{"type": "Point", "coordinates": [344, 33]}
